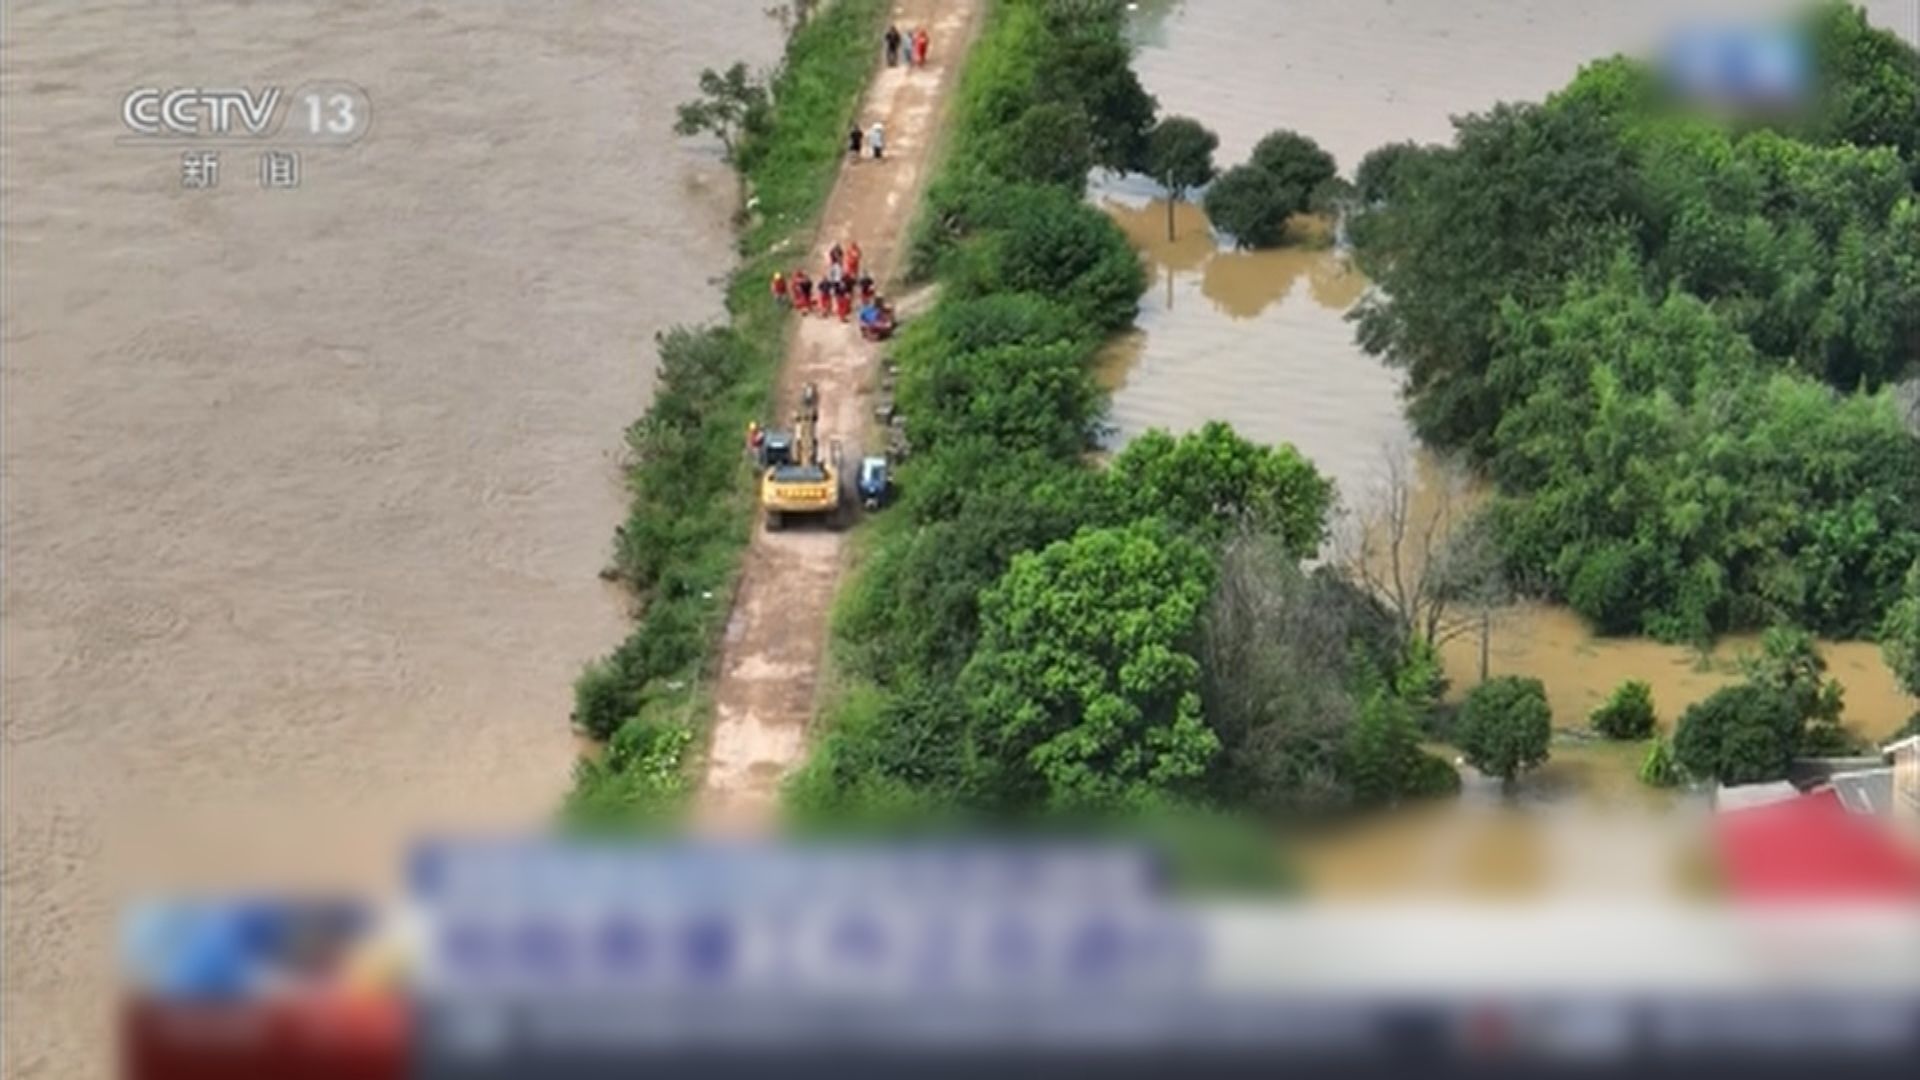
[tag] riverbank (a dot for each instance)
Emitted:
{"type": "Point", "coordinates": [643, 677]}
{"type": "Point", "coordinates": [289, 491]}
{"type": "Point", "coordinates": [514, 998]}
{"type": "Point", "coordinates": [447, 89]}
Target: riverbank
{"type": "Point", "coordinates": [693, 507]}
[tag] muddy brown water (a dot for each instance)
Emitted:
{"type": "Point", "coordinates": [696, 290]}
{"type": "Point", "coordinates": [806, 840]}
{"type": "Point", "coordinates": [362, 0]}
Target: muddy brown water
{"type": "Point", "coordinates": [1261, 339]}
{"type": "Point", "coordinates": [306, 491]}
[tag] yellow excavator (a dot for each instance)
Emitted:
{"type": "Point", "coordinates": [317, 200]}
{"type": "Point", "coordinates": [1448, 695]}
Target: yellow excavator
{"type": "Point", "coordinates": [795, 480]}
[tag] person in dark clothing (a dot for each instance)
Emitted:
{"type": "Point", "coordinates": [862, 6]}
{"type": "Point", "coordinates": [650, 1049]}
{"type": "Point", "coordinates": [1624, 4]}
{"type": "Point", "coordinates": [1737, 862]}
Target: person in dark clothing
{"type": "Point", "coordinates": [854, 136]}
{"type": "Point", "coordinates": [893, 45]}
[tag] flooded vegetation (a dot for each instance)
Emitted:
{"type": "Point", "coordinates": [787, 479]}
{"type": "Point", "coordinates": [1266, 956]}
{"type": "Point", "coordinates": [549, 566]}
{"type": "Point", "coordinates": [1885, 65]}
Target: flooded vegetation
{"type": "Point", "coordinates": [1262, 339]}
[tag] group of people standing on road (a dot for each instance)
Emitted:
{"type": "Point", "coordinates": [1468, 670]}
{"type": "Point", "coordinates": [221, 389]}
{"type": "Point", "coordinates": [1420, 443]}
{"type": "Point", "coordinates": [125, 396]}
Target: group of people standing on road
{"type": "Point", "coordinates": [913, 43]}
{"type": "Point", "coordinates": [833, 293]}
{"type": "Point", "coordinates": [875, 138]}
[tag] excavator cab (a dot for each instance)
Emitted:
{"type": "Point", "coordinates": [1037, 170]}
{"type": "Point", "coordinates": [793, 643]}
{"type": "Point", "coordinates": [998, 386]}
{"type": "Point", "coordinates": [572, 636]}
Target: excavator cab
{"type": "Point", "coordinates": [776, 448]}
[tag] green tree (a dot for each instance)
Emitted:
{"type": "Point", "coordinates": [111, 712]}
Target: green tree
{"type": "Point", "coordinates": [1900, 633]}
{"type": "Point", "coordinates": [1504, 726]}
{"type": "Point", "coordinates": [1088, 61]}
{"type": "Point", "coordinates": [1384, 759]}
{"type": "Point", "coordinates": [1028, 397]}
{"type": "Point", "coordinates": [1287, 657]}
{"type": "Point", "coordinates": [1525, 196]}
{"type": "Point", "coordinates": [1744, 734]}
{"type": "Point", "coordinates": [732, 105]}
{"type": "Point", "coordinates": [1870, 81]}
{"type": "Point", "coordinates": [1212, 479]}
{"type": "Point", "coordinates": [1660, 480]}
{"type": "Point", "coordinates": [1628, 713]}
{"type": "Point", "coordinates": [1051, 143]}
{"type": "Point", "coordinates": [1252, 206]}
{"type": "Point", "coordinates": [1049, 242]}
{"type": "Point", "coordinates": [1789, 664]}
{"type": "Point", "coordinates": [1295, 161]}
{"type": "Point", "coordinates": [1386, 170]}
{"type": "Point", "coordinates": [1084, 691]}
{"type": "Point", "coordinates": [1180, 157]}
{"type": "Point", "coordinates": [913, 612]}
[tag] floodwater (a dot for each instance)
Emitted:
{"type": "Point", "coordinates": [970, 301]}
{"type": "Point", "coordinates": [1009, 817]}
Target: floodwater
{"type": "Point", "coordinates": [306, 490]}
{"type": "Point", "coordinates": [1260, 339]}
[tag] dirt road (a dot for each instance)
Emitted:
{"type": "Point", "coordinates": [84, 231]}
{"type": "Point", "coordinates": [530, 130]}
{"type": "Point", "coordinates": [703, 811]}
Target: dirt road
{"type": "Point", "coordinates": [776, 635]}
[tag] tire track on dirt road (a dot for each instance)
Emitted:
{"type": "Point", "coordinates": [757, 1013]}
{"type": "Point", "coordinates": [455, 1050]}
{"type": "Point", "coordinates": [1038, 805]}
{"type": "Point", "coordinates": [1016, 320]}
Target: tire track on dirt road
{"type": "Point", "coordinates": [776, 633]}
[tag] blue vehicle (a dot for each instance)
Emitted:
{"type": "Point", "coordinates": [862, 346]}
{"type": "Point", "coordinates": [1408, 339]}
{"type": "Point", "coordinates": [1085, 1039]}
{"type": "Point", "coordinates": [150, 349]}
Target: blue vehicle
{"type": "Point", "coordinates": [876, 484]}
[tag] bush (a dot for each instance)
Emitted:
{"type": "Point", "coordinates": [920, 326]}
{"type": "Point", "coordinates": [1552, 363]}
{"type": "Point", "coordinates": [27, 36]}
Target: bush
{"type": "Point", "coordinates": [1606, 589]}
{"type": "Point", "coordinates": [1021, 397]}
{"type": "Point", "coordinates": [1052, 244]}
{"type": "Point", "coordinates": [1051, 143]}
{"type": "Point", "coordinates": [887, 760]}
{"type": "Point", "coordinates": [603, 699]}
{"type": "Point", "coordinates": [1432, 777]}
{"type": "Point", "coordinates": [1082, 690]}
{"type": "Point", "coordinates": [1180, 154]}
{"type": "Point", "coordinates": [1504, 726]}
{"type": "Point", "coordinates": [1295, 162]}
{"type": "Point", "coordinates": [1384, 171]}
{"type": "Point", "coordinates": [1628, 714]}
{"type": "Point", "coordinates": [1900, 633]}
{"type": "Point", "coordinates": [1213, 480]}
{"type": "Point", "coordinates": [1660, 768]}
{"type": "Point", "coordinates": [640, 778]}
{"type": "Point", "coordinates": [1252, 206]}
{"type": "Point", "coordinates": [1743, 734]}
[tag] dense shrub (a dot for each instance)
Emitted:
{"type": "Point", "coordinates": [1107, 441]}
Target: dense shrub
{"type": "Point", "coordinates": [1252, 206]}
{"type": "Point", "coordinates": [1504, 726]}
{"type": "Point", "coordinates": [1082, 690]}
{"type": "Point", "coordinates": [1051, 143]}
{"type": "Point", "coordinates": [1212, 480]}
{"type": "Point", "coordinates": [1385, 170]}
{"type": "Point", "coordinates": [641, 775]}
{"type": "Point", "coordinates": [1628, 714]}
{"type": "Point", "coordinates": [1900, 633]}
{"type": "Point", "coordinates": [1659, 333]}
{"type": "Point", "coordinates": [1050, 243]}
{"type": "Point", "coordinates": [1744, 734]}
{"type": "Point", "coordinates": [1295, 161]}
{"type": "Point", "coordinates": [1659, 768]}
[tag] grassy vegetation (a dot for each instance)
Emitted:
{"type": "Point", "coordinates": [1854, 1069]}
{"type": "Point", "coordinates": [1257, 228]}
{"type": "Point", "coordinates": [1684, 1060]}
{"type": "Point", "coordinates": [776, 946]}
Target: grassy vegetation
{"type": "Point", "coordinates": [692, 493]}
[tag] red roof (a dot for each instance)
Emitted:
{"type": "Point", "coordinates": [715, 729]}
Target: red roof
{"type": "Point", "coordinates": [1812, 849]}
